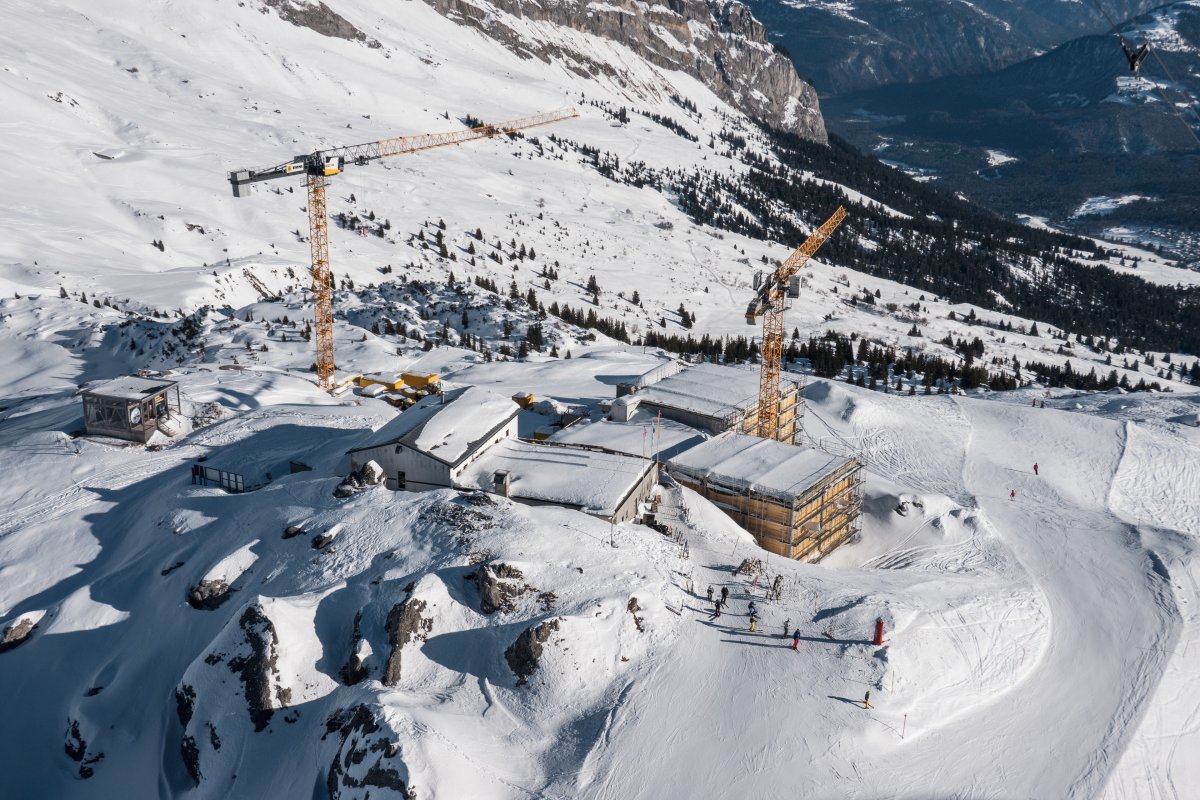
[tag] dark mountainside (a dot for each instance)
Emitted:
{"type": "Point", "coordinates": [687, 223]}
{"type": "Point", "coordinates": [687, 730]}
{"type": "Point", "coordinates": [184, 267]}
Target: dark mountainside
{"type": "Point", "coordinates": [1079, 124]}
{"type": "Point", "coordinates": [880, 42]}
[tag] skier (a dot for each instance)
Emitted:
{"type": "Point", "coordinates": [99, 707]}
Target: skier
{"type": "Point", "coordinates": [1035, 469]}
{"type": "Point", "coordinates": [1012, 495]}
{"type": "Point", "coordinates": [796, 639]}
{"type": "Point", "coordinates": [751, 608]}
{"type": "Point", "coordinates": [867, 699]}
{"type": "Point", "coordinates": [724, 593]}
{"type": "Point", "coordinates": [710, 593]}
{"type": "Point", "coordinates": [753, 622]}
{"type": "Point", "coordinates": [787, 626]}
{"type": "Point", "coordinates": [716, 614]}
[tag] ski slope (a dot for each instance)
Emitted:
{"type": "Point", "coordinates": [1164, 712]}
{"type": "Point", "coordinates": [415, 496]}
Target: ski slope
{"type": "Point", "coordinates": [1036, 646]}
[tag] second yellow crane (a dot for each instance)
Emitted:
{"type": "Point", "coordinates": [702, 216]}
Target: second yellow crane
{"type": "Point", "coordinates": [770, 302]}
{"type": "Point", "coordinates": [318, 165]}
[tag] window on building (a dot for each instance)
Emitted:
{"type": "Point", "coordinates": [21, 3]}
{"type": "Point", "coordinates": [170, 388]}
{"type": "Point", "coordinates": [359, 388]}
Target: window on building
{"type": "Point", "coordinates": [401, 482]}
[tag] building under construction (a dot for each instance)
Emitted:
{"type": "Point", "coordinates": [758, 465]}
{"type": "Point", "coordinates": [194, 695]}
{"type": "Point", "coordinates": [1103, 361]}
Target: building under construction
{"type": "Point", "coordinates": [797, 502]}
{"type": "Point", "coordinates": [716, 398]}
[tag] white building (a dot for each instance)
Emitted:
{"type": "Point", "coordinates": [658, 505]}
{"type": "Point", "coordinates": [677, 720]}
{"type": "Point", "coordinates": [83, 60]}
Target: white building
{"type": "Point", "coordinates": [601, 483]}
{"type": "Point", "coordinates": [431, 444]}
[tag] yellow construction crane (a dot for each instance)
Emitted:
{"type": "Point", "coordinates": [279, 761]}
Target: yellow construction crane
{"type": "Point", "coordinates": [318, 165]}
{"type": "Point", "coordinates": [769, 303]}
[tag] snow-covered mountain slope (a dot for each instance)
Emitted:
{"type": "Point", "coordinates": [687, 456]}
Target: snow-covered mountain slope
{"type": "Point", "coordinates": [1036, 646]}
{"type": "Point", "coordinates": [166, 639]}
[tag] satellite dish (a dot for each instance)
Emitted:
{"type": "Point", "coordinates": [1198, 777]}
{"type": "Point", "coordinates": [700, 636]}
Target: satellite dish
{"type": "Point", "coordinates": [135, 415]}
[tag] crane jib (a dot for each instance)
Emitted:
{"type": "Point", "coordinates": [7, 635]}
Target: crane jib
{"type": "Point", "coordinates": [331, 161]}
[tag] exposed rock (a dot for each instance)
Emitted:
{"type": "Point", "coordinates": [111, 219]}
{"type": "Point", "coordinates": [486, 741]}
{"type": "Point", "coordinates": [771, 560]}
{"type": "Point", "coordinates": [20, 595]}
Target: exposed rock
{"type": "Point", "coordinates": [76, 748]}
{"type": "Point", "coordinates": [209, 595]}
{"type": "Point", "coordinates": [372, 474]}
{"type": "Point", "coordinates": [317, 16]}
{"type": "Point", "coordinates": [718, 42]}
{"type": "Point", "coordinates": [322, 541]}
{"type": "Point", "coordinates": [525, 654]}
{"type": "Point", "coordinates": [496, 590]}
{"type": "Point", "coordinates": [191, 758]}
{"type": "Point", "coordinates": [354, 670]}
{"type": "Point", "coordinates": [292, 531]}
{"type": "Point", "coordinates": [404, 624]}
{"type": "Point", "coordinates": [17, 634]}
{"type": "Point", "coordinates": [633, 608]}
{"type": "Point", "coordinates": [257, 670]}
{"type": "Point", "coordinates": [367, 757]}
{"type": "Point", "coordinates": [185, 703]}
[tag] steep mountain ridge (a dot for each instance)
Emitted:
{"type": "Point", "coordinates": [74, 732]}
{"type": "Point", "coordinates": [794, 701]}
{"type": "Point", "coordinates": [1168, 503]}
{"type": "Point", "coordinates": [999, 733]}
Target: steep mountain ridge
{"type": "Point", "coordinates": [719, 42]}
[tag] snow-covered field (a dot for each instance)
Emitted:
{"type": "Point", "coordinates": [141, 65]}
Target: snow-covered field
{"type": "Point", "coordinates": [1036, 646]}
{"type": "Point", "coordinates": [1040, 644]}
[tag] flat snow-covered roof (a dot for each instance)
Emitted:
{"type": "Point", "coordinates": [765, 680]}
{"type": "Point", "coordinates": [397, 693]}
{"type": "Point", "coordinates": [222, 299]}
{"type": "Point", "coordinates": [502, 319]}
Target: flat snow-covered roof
{"type": "Point", "coordinates": [597, 482]}
{"type": "Point", "coordinates": [637, 437]}
{"type": "Point", "coordinates": [712, 390]}
{"type": "Point", "coordinates": [446, 426]}
{"type": "Point", "coordinates": [130, 387]}
{"type": "Point", "coordinates": [764, 465]}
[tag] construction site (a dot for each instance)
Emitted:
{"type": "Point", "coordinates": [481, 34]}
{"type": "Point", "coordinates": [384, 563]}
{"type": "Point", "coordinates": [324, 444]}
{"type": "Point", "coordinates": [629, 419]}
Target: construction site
{"type": "Point", "coordinates": [737, 436]}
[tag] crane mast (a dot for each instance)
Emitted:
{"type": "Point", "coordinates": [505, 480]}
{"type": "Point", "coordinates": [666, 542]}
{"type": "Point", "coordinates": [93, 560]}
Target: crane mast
{"type": "Point", "coordinates": [319, 165]}
{"type": "Point", "coordinates": [770, 303]}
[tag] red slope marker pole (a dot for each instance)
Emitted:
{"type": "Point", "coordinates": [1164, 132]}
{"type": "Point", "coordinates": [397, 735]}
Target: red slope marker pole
{"type": "Point", "coordinates": [878, 641]}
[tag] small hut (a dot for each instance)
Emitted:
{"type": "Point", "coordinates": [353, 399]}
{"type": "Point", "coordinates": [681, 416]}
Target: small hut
{"type": "Point", "coordinates": [129, 408]}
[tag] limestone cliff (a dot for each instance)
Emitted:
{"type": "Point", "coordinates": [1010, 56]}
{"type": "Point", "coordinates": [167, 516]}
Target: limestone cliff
{"type": "Point", "coordinates": [719, 42]}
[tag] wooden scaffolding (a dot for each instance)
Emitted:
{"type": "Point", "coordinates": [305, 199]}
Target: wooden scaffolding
{"type": "Point", "coordinates": [806, 526]}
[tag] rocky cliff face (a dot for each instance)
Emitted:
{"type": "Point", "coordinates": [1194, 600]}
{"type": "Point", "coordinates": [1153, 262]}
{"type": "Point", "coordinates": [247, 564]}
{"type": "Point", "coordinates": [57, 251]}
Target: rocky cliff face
{"type": "Point", "coordinates": [719, 42]}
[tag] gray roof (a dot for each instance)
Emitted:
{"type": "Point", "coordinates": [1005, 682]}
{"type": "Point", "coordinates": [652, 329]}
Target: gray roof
{"type": "Point", "coordinates": [711, 390]}
{"type": "Point", "coordinates": [762, 465]}
{"type": "Point", "coordinates": [587, 479]}
{"type": "Point", "coordinates": [130, 388]}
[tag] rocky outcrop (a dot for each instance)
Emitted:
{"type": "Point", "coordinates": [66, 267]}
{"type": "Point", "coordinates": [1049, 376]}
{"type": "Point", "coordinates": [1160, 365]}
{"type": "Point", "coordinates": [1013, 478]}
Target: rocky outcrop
{"type": "Point", "coordinates": [633, 608]}
{"type": "Point", "coordinates": [316, 16]}
{"type": "Point", "coordinates": [497, 587]}
{"type": "Point", "coordinates": [367, 757]}
{"type": "Point", "coordinates": [404, 624]}
{"type": "Point", "coordinates": [257, 669]}
{"type": "Point", "coordinates": [209, 595]}
{"type": "Point", "coordinates": [76, 748]}
{"type": "Point", "coordinates": [354, 670]}
{"type": "Point", "coordinates": [17, 634]}
{"type": "Point", "coordinates": [524, 656]}
{"type": "Point", "coordinates": [718, 42]}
